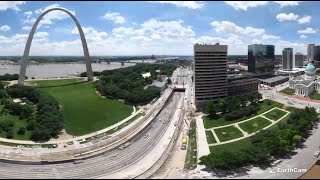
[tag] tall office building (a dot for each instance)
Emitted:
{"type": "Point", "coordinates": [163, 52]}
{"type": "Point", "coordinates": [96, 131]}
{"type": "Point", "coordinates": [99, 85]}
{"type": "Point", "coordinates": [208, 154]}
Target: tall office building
{"type": "Point", "coordinates": [287, 59]}
{"type": "Point", "coordinates": [261, 59]}
{"type": "Point", "coordinates": [298, 60]}
{"type": "Point", "coordinates": [316, 56]}
{"type": "Point", "coordinates": [210, 73]}
{"type": "Point", "coordinates": [310, 55]}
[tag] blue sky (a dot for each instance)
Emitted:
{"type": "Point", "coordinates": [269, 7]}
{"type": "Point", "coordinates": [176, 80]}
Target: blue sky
{"type": "Point", "coordinates": [158, 27]}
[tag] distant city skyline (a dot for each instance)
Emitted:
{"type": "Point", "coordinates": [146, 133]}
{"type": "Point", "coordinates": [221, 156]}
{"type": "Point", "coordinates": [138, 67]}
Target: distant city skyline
{"type": "Point", "coordinates": [158, 27]}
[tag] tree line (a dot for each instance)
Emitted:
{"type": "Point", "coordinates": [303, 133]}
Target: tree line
{"type": "Point", "coordinates": [128, 83]}
{"type": "Point", "coordinates": [267, 145]}
{"type": "Point", "coordinates": [9, 77]}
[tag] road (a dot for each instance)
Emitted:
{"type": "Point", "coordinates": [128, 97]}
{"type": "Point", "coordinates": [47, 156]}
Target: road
{"type": "Point", "coordinates": [108, 163]}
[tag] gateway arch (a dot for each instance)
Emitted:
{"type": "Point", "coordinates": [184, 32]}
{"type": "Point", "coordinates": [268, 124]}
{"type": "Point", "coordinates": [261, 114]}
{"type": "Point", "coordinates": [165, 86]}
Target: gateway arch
{"type": "Point", "coordinates": [25, 56]}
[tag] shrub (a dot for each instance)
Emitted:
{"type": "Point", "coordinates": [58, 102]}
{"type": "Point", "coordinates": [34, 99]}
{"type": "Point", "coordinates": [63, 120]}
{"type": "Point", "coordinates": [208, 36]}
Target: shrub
{"type": "Point", "coordinates": [22, 131]}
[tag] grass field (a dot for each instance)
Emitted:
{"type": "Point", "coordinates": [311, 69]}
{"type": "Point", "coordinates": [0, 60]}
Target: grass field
{"type": "Point", "coordinates": [228, 133]}
{"type": "Point", "coordinates": [315, 95]}
{"type": "Point", "coordinates": [275, 114]}
{"type": "Point", "coordinates": [210, 137]}
{"type": "Point", "coordinates": [83, 110]}
{"type": "Point", "coordinates": [5, 83]}
{"type": "Point", "coordinates": [264, 106]}
{"type": "Point", "coordinates": [288, 91]}
{"type": "Point", "coordinates": [18, 123]}
{"type": "Point", "coordinates": [231, 147]}
{"type": "Point", "coordinates": [254, 125]}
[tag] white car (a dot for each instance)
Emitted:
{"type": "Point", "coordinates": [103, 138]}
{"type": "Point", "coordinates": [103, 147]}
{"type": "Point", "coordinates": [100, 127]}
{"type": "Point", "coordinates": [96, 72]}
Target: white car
{"type": "Point", "coordinates": [276, 162]}
{"type": "Point", "coordinates": [316, 154]}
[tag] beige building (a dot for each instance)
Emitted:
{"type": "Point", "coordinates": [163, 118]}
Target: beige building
{"type": "Point", "coordinates": [210, 73]}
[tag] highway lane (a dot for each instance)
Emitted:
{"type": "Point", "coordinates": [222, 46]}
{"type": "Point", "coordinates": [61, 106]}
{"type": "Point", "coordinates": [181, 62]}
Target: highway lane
{"type": "Point", "coordinates": [107, 163]}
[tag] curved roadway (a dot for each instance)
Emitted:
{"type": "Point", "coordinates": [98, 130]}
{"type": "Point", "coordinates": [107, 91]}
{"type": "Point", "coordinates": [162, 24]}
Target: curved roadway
{"type": "Point", "coordinates": [108, 163]}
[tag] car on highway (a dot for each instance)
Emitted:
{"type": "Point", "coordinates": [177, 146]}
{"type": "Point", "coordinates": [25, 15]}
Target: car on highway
{"type": "Point", "coordinates": [145, 136]}
{"type": "Point", "coordinates": [276, 162]}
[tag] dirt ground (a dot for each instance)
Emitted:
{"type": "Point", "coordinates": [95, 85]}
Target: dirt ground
{"type": "Point", "coordinates": [313, 173]}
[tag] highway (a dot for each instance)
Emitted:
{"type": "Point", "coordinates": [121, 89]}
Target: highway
{"type": "Point", "coordinates": [108, 163]}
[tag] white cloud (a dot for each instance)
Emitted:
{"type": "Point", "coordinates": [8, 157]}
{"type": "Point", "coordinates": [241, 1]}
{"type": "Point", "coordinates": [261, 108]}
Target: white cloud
{"type": "Point", "coordinates": [270, 37]}
{"type": "Point", "coordinates": [304, 20]}
{"type": "Point", "coordinates": [91, 34]}
{"type": "Point", "coordinates": [5, 28]}
{"type": "Point", "coordinates": [307, 31]}
{"type": "Point", "coordinates": [287, 17]}
{"type": "Point", "coordinates": [28, 14]}
{"type": "Point", "coordinates": [293, 17]}
{"type": "Point", "coordinates": [26, 28]}
{"type": "Point", "coordinates": [49, 18]}
{"type": "Point", "coordinates": [303, 36]}
{"type": "Point", "coordinates": [186, 4]}
{"type": "Point", "coordinates": [115, 17]}
{"type": "Point", "coordinates": [244, 5]}
{"type": "Point", "coordinates": [287, 3]}
{"type": "Point", "coordinates": [230, 27]}
{"type": "Point", "coordinates": [4, 5]}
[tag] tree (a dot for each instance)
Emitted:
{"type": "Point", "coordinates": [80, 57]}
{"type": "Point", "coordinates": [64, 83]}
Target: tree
{"type": "Point", "coordinates": [222, 105]}
{"type": "Point", "coordinates": [9, 134]}
{"type": "Point", "coordinates": [22, 131]}
{"type": "Point", "coordinates": [210, 109]}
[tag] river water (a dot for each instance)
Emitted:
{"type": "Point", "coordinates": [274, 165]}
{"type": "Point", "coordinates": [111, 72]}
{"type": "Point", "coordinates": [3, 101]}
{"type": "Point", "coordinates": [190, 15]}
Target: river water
{"type": "Point", "coordinates": [43, 71]}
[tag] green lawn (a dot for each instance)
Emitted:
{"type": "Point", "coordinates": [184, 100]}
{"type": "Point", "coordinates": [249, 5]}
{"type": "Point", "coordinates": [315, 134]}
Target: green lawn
{"type": "Point", "coordinates": [231, 147]}
{"type": "Point", "coordinates": [83, 110]}
{"type": "Point", "coordinates": [288, 91]}
{"type": "Point", "coordinates": [315, 95]}
{"type": "Point", "coordinates": [228, 133]}
{"type": "Point", "coordinates": [254, 125]}
{"type": "Point", "coordinates": [18, 123]}
{"type": "Point", "coordinates": [5, 83]}
{"type": "Point", "coordinates": [275, 114]}
{"type": "Point", "coordinates": [264, 106]}
{"type": "Point", "coordinates": [210, 137]}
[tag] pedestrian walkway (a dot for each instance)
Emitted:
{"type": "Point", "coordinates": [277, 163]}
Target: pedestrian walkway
{"type": "Point", "coordinates": [244, 133]}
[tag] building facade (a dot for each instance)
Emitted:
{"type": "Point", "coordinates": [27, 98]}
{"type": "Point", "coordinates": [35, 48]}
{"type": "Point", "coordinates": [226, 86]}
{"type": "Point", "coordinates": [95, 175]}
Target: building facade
{"type": "Point", "coordinates": [316, 58]}
{"type": "Point", "coordinates": [210, 73]}
{"type": "Point", "coordinates": [261, 59]}
{"type": "Point", "coordinates": [307, 84]}
{"type": "Point", "coordinates": [298, 60]}
{"type": "Point", "coordinates": [287, 59]}
{"type": "Point", "coordinates": [310, 55]}
{"type": "Point", "coordinates": [242, 87]}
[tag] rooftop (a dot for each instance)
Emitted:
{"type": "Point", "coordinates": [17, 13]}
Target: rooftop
{"type": "Point", "coordinates": [273, 79]}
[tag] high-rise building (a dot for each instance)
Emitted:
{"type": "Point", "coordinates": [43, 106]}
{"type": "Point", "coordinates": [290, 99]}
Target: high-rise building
{"type": "Point", "coordinates": [316, 57]}
{"type": "Point", "coordinates": [261, 59]}
{"type": "Point", "coordinates": [310, 55]}
{"type": "Point", "coordinates": [298, 60]}
{"type": "Point", "coordinates": [210, 73]}
{"type": "Point", "coordinates": [287, 59]}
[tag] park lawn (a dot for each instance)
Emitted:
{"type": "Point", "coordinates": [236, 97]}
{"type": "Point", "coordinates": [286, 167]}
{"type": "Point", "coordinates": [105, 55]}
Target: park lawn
{"type": "Point", "coordinates": [18, 123]}
{"type": "Point", "coordinates": [210, 137]}
{"type": "Point", "coordinates": [5, 83]}
{"type": "Point", "coordinates": [83, 110]}
{"type": "Point", "coordinates": [264, 106]}
{"type": "Point", "coordinates": [315, 95]}
{"type": "Point", "coordinates": [228, 133]}
{"type": "Point", "coordinates": [231, 147]}
{"type": "Point", "coordinates": [275, 114]}
{"type": "Point", "coordinates": [254, 125]}
{"type": "Point", "coordinates": [288, 91]}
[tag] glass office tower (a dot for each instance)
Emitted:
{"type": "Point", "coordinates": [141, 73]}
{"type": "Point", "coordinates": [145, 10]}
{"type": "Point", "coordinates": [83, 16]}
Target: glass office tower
{"type": "Point", "coordinates": [261, 59]}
